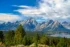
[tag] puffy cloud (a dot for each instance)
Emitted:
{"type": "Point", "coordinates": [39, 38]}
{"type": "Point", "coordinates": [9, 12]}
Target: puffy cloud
{"type": "Point", "coordinates": [48, 9]}
{"type": "Point", "coordinates": [8, 17]}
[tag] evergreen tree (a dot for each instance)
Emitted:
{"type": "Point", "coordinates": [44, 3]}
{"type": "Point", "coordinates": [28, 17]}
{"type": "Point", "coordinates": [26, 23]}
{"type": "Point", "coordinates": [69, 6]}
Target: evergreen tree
{"type": "Point", "coordinates": [1, 36]}
{"type": "Point", "coordinates": [37, 38]}
{"type": "Point", "coordinates": [9, 38]}
{"type": "Point", "coordinates": [27, 40]}
{"type": "Point", "coordinates": [19, 34]}
{"type": "Point", "coordinates": [62, 43]}
{"type": "Point", "coordinates": [43, 39]}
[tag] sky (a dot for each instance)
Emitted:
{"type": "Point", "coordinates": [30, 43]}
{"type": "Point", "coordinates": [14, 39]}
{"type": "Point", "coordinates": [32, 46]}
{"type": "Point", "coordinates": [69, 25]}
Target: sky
{"type": "Point", "coordinates": [41, 10]}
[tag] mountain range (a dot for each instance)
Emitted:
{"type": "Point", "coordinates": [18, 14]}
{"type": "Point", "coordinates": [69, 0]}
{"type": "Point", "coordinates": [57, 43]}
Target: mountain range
{"type": "Point", "coordinates": [32, 25]}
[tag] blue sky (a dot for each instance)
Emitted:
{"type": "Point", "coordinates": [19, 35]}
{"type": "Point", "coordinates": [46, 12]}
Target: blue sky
{"type": "Point", "coordinates": [13, 10]}
{"type": "Point", "coordinates": [6, 6]}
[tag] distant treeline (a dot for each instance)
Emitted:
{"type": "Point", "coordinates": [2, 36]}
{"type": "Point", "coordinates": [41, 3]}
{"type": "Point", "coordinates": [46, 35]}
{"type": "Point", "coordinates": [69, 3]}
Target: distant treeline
{"type": "Point", "coordinates": [19, 36]}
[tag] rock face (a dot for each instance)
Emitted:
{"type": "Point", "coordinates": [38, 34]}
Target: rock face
{"type": "Point", "coordinates": [32, 25]}
{"type": "Point", "coordinates": [52, 26]}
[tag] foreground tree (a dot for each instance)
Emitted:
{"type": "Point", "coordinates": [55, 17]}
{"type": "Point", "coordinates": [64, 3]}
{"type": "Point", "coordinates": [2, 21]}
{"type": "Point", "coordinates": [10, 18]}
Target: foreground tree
{"type": "Point", "coordinates": [37, 38]}
{"type": "Point", "coordinates": [1, 36]}
{"type": "Point", "coordinates": [27, 40]}
{"type": "Point", "coordinates": [62, 43]}
{"type": "Point", "coordinates": [9, 38]}
{"type": "Point", "coordinates": [44, 39]}
{"type": "Point", "coordinates": [19, 34]}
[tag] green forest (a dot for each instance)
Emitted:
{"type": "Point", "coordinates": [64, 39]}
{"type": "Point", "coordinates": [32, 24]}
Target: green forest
{"type": "Point", "coordinates": [27, 38]}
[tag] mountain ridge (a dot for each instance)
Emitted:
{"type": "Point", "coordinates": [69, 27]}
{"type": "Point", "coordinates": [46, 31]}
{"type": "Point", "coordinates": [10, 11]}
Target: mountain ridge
{"type": "Point", "coordinates": [32, 25]}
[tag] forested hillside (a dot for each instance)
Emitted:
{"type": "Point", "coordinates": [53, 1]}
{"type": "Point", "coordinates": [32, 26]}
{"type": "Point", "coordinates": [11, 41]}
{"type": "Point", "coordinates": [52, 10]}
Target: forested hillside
{"type": "Point", "coordinates": [35, 39]}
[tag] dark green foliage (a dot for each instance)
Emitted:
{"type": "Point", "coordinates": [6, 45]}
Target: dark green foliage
{"type": "Point", "coordinates": [63, 43]}
{"type": "Point", "coordinates": [43, 39]}
{"type": "Point", "coordinates": [19, 34]}
{"type": "Point", "coordinates": [53, 41]}
{"type": "Point", "coordinates": [9, 37]}
{"type": "Point", "coordinates": [1, 36]}
{"type": "Point", "coordinates": [37, 38]}
{"type": "Point", "coordinates": [27, 40]}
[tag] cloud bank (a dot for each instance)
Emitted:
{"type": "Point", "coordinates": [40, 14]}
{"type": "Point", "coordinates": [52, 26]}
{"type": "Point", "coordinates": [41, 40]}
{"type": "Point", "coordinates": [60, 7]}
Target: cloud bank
{"type": "Point", "coordinates": [8, 17]}
{"type": "Point", "coordinates": [48, 9]}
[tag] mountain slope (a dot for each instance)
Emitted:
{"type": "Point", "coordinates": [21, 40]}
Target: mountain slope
{"type": "Point", "coordinates": [66, 24]}
{"type": "Point", "coordinates": [29, 24]}
{"type": "Point", "coordinates": [32, 25]}
{"type": "Point", "coordinates": [52, 26]}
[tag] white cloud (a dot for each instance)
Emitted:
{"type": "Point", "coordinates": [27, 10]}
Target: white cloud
{"type": "Point", "coordinates": [21, 6]}
{"type": "Point", "coordinates": [8, 17]}
{"type": "Point", "coordinates": [51, 9]}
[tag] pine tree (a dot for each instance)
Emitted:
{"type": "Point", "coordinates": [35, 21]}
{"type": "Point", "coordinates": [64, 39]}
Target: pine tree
{"type": "Point", "coordinates": [27, 40]}
{"type": "Point", "coordinates": [19, 34]}
{"type": "Point", "coordinates": [43, 39]}
{"type": "Point", "coordinates": [62, 43]}
{"type": "Point", "coordinates": [1, 36]}
{"type": "Point", "coordinates": [9, 38]}
{"type": "Point", "coordinates": [37, 38]}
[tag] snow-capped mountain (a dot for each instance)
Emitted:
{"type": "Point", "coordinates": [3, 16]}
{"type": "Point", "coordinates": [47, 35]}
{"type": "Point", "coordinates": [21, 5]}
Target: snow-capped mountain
{"type": "Point", "coordinates": [8, 26]}
{"type": "Point", "coordinates": [52, 26]}
{"type": "Point", "coordinates": [66, 24]}
{"type": "Point", "coordinates": [29, 24]}
{"type": "Point", "coordinates": [32, 25]}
